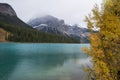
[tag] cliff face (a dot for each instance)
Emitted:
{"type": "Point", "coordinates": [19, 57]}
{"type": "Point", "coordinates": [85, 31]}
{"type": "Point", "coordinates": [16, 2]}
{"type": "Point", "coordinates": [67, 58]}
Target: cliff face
{"type": "Point", "coordinates": [6, 9]}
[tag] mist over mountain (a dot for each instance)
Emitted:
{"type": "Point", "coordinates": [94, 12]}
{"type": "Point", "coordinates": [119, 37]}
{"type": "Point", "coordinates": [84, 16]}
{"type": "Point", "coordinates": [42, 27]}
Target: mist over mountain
{"type": "Point", "coordinates": [47, 23]}
{"type": "Point", "coordinates": [53, 29]}
{"type": "Point", "coordinates": [15, 30]}
{"type": "Point", "coordinates": [51, 24]}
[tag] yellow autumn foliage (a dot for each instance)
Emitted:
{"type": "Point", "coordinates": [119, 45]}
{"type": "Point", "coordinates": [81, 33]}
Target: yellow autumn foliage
{"type": "Point", "coordinates": [105, 44]}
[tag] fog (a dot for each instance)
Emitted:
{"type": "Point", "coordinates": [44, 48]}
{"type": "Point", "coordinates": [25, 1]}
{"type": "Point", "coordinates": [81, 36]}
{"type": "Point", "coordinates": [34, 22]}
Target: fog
{"type": "Point", "coordinates": [72, 11]}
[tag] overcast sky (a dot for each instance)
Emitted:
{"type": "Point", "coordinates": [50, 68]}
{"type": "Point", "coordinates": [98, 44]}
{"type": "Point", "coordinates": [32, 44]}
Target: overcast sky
{"type": "Point", "coordinates": [72, 11]}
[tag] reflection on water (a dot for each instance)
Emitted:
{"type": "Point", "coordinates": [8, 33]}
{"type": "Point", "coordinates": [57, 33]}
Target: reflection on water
{"type": "Point", "coordinates": [42, 61]}
{"type": "Point", "coordinates": [7, 65]}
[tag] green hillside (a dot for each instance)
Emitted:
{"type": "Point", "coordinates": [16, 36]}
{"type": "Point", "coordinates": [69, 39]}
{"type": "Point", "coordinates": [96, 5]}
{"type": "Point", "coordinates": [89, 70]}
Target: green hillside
{"type": "Point", "coordinates": [21, 32]}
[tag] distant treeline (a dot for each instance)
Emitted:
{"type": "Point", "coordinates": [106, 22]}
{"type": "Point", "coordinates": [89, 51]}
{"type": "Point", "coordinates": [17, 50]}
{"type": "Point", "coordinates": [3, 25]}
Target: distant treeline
{"type": "Point", "coordinates": [25, 34]}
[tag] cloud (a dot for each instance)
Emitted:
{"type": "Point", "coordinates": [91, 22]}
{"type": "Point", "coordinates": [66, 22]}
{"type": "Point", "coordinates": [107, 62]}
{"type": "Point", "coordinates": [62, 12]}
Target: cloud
{"type": "Point", "coordinates": [72, 11]}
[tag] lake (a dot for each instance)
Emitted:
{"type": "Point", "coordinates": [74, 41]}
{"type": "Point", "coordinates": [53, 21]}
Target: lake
{"type": "Point", "coordinates": [33, 61]}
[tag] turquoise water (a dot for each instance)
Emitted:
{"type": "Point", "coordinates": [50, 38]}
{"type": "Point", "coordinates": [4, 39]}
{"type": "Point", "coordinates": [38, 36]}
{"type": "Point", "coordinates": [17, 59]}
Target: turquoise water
{"type": "Point", "coordinates": [29, 61]}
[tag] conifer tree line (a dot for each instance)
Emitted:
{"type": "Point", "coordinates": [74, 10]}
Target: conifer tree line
{"type": "Point", "coordinates": [25, 34]}
{"type": "Point", "coordinates": [105, 45]}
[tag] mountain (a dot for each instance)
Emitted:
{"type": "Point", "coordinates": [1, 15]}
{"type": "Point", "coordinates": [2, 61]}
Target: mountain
{"type": "Point", "coordinates": [50, 24]}
{"type": "Point", "coordinates": [9, 16]}
{"type": "Point", "coordinates": [6, 9]}
{"type": "Point", "coordinates": [14, 29]}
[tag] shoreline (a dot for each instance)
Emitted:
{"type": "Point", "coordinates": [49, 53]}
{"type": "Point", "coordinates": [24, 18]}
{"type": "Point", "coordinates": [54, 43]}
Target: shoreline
{"type": "Point", "coordinates": [41, 43]}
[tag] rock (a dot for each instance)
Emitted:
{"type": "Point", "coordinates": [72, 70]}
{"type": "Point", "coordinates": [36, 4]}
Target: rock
{"type": "Point", "coordinates": [6, 9]}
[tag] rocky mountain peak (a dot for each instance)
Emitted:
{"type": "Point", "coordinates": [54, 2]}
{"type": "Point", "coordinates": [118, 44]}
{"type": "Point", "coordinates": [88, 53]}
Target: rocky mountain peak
{"type": "Point", "coordinates": [51, 24]}
{"type": "Point", "coordinates": [6, 9]}
{"type": "Point", "coordinates": [47, 19]}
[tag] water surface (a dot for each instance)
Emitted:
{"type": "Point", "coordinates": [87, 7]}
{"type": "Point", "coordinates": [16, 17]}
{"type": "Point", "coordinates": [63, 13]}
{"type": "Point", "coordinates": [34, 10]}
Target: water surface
{"type": "Point", "coordinates": [29, 61]}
